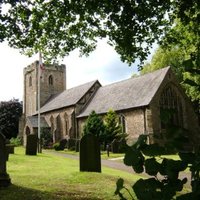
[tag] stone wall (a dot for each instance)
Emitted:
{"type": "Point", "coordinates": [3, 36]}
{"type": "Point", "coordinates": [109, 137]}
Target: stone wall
{"type": "Point", "coordinates": [134, 124]}
{"type": "Point", "coordinates": [58, 74]}
{"type": "Point", "coordinates": [190, 120]}
{"type": "Point", "coordinates": [62, 122]}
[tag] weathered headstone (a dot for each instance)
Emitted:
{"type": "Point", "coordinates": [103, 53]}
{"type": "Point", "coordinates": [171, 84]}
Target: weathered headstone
{"type": "Point", "coordinates": [90, 158]}
{"type": "Point", "coordinates": [4, 176]}
{"type": "Point", "coordinates": [71, 143]}
{"type": "Point", "coordinates": [62, 144]}
{"type": "Point", "coordinates": [31, 144]}
{"type": "Point", "coordinates": [115, 146]}
{"type": "Point", "coordinates": [77, 145]}
{"type": "Point", "coordinates": [118, 146]}
{"type": "Point", "coordinates": [10, 148]}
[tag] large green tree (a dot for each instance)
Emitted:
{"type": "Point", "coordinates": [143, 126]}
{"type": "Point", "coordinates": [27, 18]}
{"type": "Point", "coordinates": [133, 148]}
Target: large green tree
{"type": "Point", "coordinates": [57, 27]}
{"type": "Point", "coordinates": [94, 125]}
{"type": "Point", "coordinates": [112, 126]}
{"type": "Point", "coordinates": [183, 55]}
{"type": "Point", "coordinates": [10, 112]}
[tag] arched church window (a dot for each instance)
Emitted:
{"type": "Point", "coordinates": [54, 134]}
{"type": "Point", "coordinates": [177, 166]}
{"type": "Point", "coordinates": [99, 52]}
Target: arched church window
{"type": "Point", "coordinates": [171, 111]}
{"type": "Point", "coordinates": [122, 122]}
{"type": "Point", "coordinates": [50, 80]}
{"type": "Point", "coordinates": [30, 81]}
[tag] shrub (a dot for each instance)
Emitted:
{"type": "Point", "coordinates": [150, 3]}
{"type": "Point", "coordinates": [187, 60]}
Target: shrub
{"type": "Point", "coordinates": [16, 141]}
{"type": "Point", "coordinates": [94, 125]}
{"type": "Point", "coordinates": [47, 138]}
{"type": "Point", "coordinates": [56, 146]}
{"type": "Point", "coordinates": [59, 146]}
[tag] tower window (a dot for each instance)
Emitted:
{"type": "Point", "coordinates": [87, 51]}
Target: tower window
{"type": "Point", "coordinates": [50, 80]}
{"type": "Point", "coordinates": [30, 81]}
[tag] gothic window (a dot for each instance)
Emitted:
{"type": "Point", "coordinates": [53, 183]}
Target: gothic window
{"type": "Point", "coordinates": [66, 123]}
{"type": "Point", "coordinates": [170, 108]}
{"type": "Point", "coordinates": [28, 131]}
{"type": "Point", "coordinates": [122, 122]}
{"type": "Point", "coordinates": [30, 81]}
{"type": "Point", "coordinates": [50, 80]}
{"type": "Point", "coordinates": [58, 132]}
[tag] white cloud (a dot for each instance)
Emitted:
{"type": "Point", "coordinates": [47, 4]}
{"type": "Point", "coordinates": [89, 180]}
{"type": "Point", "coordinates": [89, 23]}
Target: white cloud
{"type": "Point", "coordinates": [103, 64]}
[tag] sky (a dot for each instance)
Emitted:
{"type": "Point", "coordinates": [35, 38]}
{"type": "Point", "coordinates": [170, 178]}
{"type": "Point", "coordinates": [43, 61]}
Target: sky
{"type": "Point", "coordinates": [103, 64]}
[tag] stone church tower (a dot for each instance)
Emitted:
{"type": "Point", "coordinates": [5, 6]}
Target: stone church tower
{"type": "Point", "coordinates": [53, 81]}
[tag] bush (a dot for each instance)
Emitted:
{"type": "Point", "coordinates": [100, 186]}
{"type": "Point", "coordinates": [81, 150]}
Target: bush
{"type": "Point", "coordinates": [59, 146]}
{"type": "Point", "coordinates": [47, 138]}
{"type": "Point", "coordinates": [56, 146]}
{"type": "Point", "coordinates": [16, 141]}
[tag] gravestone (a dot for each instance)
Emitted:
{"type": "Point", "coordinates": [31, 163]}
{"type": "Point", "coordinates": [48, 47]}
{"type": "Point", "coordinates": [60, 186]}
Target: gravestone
{"type": "Point", "coordinates": [90, 158]}
{"type": "Point", "coordinates": [31, 145]}
{"type": "Point", "coordinates": [118, 146]}
{"type": "Point", "coordinates": [77, 145]}
{"type": "Point", "coordinates": [115, 146]}
{"type": "Point", "coordinates": [71, 144]}
{"type": "Point", "coordinates": [4, 177]}
{"type": "Point", "coordinates": [62, 144]}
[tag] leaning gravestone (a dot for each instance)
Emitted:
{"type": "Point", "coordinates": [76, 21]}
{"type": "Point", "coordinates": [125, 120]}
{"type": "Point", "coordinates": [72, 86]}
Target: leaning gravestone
{"type": "Point", "coordinates": [4, 177]}
{"type": "Point", "coordinates": [90, 159]}
{"type": "Point", "coordinates": [31, 145]}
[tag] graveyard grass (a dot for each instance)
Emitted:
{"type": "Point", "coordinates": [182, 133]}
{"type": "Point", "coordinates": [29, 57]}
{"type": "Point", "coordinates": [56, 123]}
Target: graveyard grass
{"type": "Point", "coordinates": [50, 177]}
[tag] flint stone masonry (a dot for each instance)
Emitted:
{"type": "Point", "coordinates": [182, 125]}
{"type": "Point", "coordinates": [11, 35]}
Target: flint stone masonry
{"type": "Point", "coordinates": [90, 159]}
{"type": "Point", "coordinates": [4, 176]}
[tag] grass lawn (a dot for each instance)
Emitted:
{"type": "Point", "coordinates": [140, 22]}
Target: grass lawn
{"type": "Point", "coordinates": [50, 177]}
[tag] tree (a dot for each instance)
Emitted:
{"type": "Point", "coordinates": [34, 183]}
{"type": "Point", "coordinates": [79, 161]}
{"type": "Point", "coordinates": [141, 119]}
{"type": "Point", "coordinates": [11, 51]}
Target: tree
{"type": "Point", "coordinates": [57, 27]}
{"type": "Point", "coordinates": [94, 125]}
{"type": "Point", "coordinates": [112, 127]}
{"type": "Point", "coordinates": [10, 112]}
{"type": "Point", "coordinates": [149, 158]}
{"type": "Point", "coordinates": [165, 57]}
{"type": "Point", "coordinates": [182, 55]}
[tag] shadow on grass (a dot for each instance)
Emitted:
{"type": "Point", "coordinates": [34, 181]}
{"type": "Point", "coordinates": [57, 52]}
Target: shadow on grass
{"type": "Point", "coordinates": [15, 192]}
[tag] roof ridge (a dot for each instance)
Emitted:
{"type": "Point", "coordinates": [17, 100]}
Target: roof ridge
{"type": "Point", "coordinates": [139, 76]}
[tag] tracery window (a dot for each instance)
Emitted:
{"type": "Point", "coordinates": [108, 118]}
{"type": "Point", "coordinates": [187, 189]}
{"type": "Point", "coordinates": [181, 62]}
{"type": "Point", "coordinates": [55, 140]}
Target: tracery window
{"type": "Point", "coordinates": [171, 110]}
{"type": "Point", "coordinates": [50, 80]}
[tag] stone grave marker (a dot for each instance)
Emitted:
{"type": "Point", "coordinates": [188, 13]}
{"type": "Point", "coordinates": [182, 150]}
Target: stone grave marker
{"type": "Point", "coordinates": [115, 146]}
{"type": "Point", "coordinates": [62, 144]}
{"type": "Point", "coordinates": [4, 176]}
{"type": "Point", "coordinates": [31, 145]}
{"type": "Point", "coordinates": [77, 145]}
{"type": "Point", "coordinates": [71, 143]}
{"type": "Point", "coordinates": [90, 158]}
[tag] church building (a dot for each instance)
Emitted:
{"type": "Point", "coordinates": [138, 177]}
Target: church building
{"type": "Point", "coordinates": [138, 101]}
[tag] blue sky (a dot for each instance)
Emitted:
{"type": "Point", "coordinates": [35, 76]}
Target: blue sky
{"type": "Point", "coordinates": [103, 64]}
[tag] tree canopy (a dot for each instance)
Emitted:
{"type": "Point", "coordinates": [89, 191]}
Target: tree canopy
{"type": "Point", "coordinates": [94, 125]}
{"type": "Point", "coordinates": [10, 112]}
{"type": "Point", "coordinates": [112, 127]}
{"type": "Point", "coordinates": [56, 27]}
{"type": "Point", "coordinates": [183, 55]}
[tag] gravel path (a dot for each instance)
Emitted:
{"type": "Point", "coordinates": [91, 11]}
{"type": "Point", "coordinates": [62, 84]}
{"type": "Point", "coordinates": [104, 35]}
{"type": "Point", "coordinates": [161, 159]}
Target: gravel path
{"type": "Point", "coordinates": [108, 163]}
{"type": "Point", "coordinates": [114, 164]}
